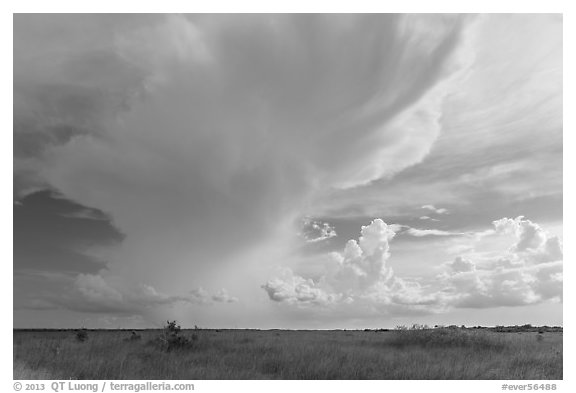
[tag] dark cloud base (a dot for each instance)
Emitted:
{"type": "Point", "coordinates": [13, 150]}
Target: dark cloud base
{"type": "Point", "coordinates": [51, 234]}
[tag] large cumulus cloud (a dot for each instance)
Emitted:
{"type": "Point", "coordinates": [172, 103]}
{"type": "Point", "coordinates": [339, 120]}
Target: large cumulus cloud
{"type": "Point", "coordinates": [356, 279]}
{"type": "Point", "coordinates": [528, 272]}
{"type": "Point", "coordinates": [358, 282]}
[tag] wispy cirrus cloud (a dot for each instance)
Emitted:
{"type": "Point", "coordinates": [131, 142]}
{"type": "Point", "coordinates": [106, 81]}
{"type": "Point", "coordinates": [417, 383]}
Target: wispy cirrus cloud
{"type": "Point", "coordinates": [431, 232]}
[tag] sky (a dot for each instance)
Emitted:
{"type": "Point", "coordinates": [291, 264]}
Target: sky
{"type": "Point", "coordinates": [287, 171]}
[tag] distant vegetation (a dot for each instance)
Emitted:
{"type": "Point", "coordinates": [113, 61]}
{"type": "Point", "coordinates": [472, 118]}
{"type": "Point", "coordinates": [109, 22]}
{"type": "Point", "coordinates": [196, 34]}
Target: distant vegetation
{"type": "Point", "coordinates": [82, 335]}
{"type": "Point", "coordinates": [415, 352]}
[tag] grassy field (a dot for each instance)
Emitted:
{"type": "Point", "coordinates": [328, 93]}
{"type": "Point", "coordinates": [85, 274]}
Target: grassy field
{"type": "Point", "coordinates": [254, 354]}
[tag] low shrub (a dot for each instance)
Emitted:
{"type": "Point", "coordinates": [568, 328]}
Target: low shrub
{"type": "Point", "coordinates": [133, 336]}
{"type": "Point", "coordinates": [170, 338]}
{"type": "Point", "coordinates": [81, 335]}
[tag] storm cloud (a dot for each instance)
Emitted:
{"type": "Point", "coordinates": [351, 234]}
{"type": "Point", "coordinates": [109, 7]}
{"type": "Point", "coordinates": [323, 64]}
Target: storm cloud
{"type": "Point", "coordinates": [217, 148]}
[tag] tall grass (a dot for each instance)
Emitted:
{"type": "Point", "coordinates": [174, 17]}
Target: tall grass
{"type": "Point", "coordinates": [237, 354]}
{"type": "Point", "coordinates": [426, 337]}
